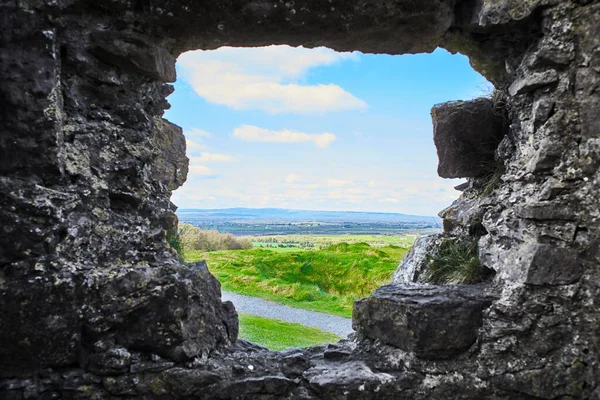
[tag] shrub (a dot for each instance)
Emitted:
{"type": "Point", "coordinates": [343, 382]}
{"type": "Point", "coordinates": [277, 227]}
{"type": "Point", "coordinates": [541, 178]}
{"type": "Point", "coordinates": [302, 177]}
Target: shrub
{"type": "Point", "coordinates": [174, 242]}
{"type": "Point", "coordinates": [492, 180]}
{"type": "Point", "coordinates": [193, 238]}
{"type": "Point", "coordinates": [455, 262]}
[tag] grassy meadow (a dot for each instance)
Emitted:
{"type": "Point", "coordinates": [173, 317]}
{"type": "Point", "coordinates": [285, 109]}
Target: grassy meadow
{"type": "Point", "coordinates": [327, 280]}
{"type": "Point", "coordinates": [279, 335]}
{"type": "Point", "coordinates": [324, 273]}
{"type": "Point", "coordinates": [290, 243]}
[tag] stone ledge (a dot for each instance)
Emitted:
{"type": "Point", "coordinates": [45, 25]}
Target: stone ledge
{"type": "Point", "coordinates": [466, 134]}
{"type": "Point", "coordinates": [433, 322]}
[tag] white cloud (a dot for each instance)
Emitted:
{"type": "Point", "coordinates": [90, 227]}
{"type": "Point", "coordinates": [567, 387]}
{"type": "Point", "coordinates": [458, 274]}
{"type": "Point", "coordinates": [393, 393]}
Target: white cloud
{"type": "Point", "coordinates": [338, 182]}
{"type": "Point", "coordinates": [251, 133]}
{"type": "Point", "coordinates": [212, 157]}
{"type": "Point", "coordinates": [266, 78]}
{"type": "Point", "coordinates": [200, 197]}
{"type": "Point", "coordinates": [371, 184]}
{"type": "Point", "coordinates": [310, 186]}
{"type": "Point", "coordinates": [389, 200]}
{"type": "Point", "coordinates": [195, 132]}
{"type": "Point", "coordinates": [199, 170]}
{"type": "Point", "coordinates": [198, 167]}
{"type": "Point", "coordinates": [193, 147]}
{"type": "Point", "coordinates": [193, 137]}
{"type": "Point", "coordinates": [355, 191]}
{"type": "Point", "coordinates": [291, 178]}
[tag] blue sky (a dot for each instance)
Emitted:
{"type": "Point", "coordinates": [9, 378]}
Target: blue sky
{"type": "Point", "coordinates": [315, 129]}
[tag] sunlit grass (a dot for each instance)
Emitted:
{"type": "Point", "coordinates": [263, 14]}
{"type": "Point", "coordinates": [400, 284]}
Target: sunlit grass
{"type": "Point", "coordinates": [279, 335]}
{"type": "Point", "coordinates": [326, 280]}
{"type": "Point", "coordinates": [455, 263]}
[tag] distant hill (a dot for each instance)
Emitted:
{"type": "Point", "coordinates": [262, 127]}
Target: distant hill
{"type": "Point", "coordinates": [285, 215]}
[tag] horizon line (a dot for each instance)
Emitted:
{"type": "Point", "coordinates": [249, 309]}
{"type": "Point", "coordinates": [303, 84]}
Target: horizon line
{"type": "Point", "coordinates": [298, 209]}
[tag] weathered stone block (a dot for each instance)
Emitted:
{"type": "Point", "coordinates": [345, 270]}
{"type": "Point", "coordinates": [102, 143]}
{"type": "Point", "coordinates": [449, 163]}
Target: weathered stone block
{"type": "Point", "coordinates": [171, 166]}
{"type": "Point", "coordinates": [133, 52]}
{"type": "Point", "coordinates": [433, 322]}
{"type": "Point", "coordinates": [417, 259]}
{"type": "Point", "coordinates": [552, 265]}
{"type": "Point", "coordinates": [463, 217]}
{"type": "Point", "coordinates": [544, 211]}
{"type": "Point", "coordinates": [542, 109]}
{"type": "Point", "coordinates": [355, 376]}
{"type": "Point", "coordinates": [466, 134]}
{"type": "Point", "coordinates": [114, 361]}
{"type": "Point", "coordinates": [530, 82]}
{"type": "Point", "coordinates": [174, 310]}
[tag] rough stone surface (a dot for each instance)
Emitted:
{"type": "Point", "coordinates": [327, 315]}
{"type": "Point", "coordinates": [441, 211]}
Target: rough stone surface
{"type": "Point", "coordinates": [533, 81]}
{"type": "Point", "coordinates": [466, 134]}
{"type": "Point", "coordinates": [98, 310]}
{"type": "Point", "coordinates": [95, 305]}
{"type": "Point", "coordinates": [463, 217]}
{"type": "Point", "coordinates": [429, 321]}
{"type": "Point", "coordinates": [417, 259]}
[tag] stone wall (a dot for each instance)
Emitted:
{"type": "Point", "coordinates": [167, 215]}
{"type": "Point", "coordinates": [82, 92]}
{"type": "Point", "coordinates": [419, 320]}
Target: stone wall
{"type": "Point", "coordinates": [94, 303]}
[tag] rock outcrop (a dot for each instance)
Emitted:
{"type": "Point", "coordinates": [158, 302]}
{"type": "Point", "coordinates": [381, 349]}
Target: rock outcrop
{"type": "Point", "coordinates": [431, 322]}
{"type": "Point", "coordinates": [466, 135]}
{"type": "Point", "coordinates": [94, 304]}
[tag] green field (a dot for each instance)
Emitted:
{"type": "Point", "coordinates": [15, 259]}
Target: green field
{"type": "Point", "coordinates": [326, 280]}
{"type": "Point", "coordinates": [287, 243]}
{"type": "Point", "coordinates": [279, 335]}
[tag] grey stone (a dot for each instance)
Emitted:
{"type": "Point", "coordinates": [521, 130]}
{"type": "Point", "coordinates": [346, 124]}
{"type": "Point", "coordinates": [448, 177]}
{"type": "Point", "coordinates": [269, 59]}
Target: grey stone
{"type": "Point", "coordinates": [188, 382]}
{"type": "Point", "coordinates": [256, 386]}
{"type": "Point", "coordinates": [466, 134]}
{"type": "Point", "coordinates": [132, 51]}
{"type": "Point", "coordinates": [354, 376]}
{"type": "Point", "coordinates": [463, 217]}
{"type": "Point", "coordinates": [542, 109]}
{"type": "Point", "coordinates": [295, 364]}
{"type": "Point", "coordinates": [553, 265]}
{"type": "Point", "coordinates": [124, 305]}
{"type": "Point", "coordinates": [417, 259]}
{"type": "Point", "coordinates": [77, 378]}
{"type": "Point", "coordinates": [545, 158]}
{"type": "Point", "coordinates": [113, 361]}
{"type": "Point", "coordinates": [150, 366]}
{"type": "Point", "coordinates": [462, 186]}
{"type": "Point", "coordinates": [497, 12]}
{"type": "Point", "coordinates": [433, 322]}
{"type": "Point", "coordinates": [546, 211]}
{"type": "Point", "coordinates": [88, 166]}
{"type": "Point", "coordinates": [121, 385]}
{"type": "Point", "coordinates": [336, 354]}
{"type": "Point", "coordinates": [532, 81]}
{"type": "Point", "coordinates": [14, 384]}
{"type": "Point", "coordinates": [551, 53]}
{"type": "Point", "coordinates": [171, 166]}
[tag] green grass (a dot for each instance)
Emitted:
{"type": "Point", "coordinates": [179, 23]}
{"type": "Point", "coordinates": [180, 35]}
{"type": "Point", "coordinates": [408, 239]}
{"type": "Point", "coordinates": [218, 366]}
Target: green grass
{"type": "Point", "coordinates": [492, 180]}
{"type": "Point", "coordinates": [289, 243]}
{"type": "Point", "coordinates": [455, 263]}
{"type": "Point", "coordinates": [278, 249]}
{"type": "Point", "coordinates": [326, 280]}
{"type": "Point", "coordinates": [279, 335]}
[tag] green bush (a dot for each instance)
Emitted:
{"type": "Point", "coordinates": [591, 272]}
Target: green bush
{"type": "Point", "coordinates": [455, 262]}
{"type": "Point", "coordinates": [492, 180]}
{"type": "Point", "coordinates": [193, 238]}
{"type": "Point", "coordinates": [174, 242]}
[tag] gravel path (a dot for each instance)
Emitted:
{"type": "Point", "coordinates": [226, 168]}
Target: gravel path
{"type": "Point", "coordinates": [268, 309]}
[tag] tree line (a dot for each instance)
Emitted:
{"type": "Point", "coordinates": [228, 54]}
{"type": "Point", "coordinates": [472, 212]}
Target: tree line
{"type": "Point", "coordinates": [193, 238]}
